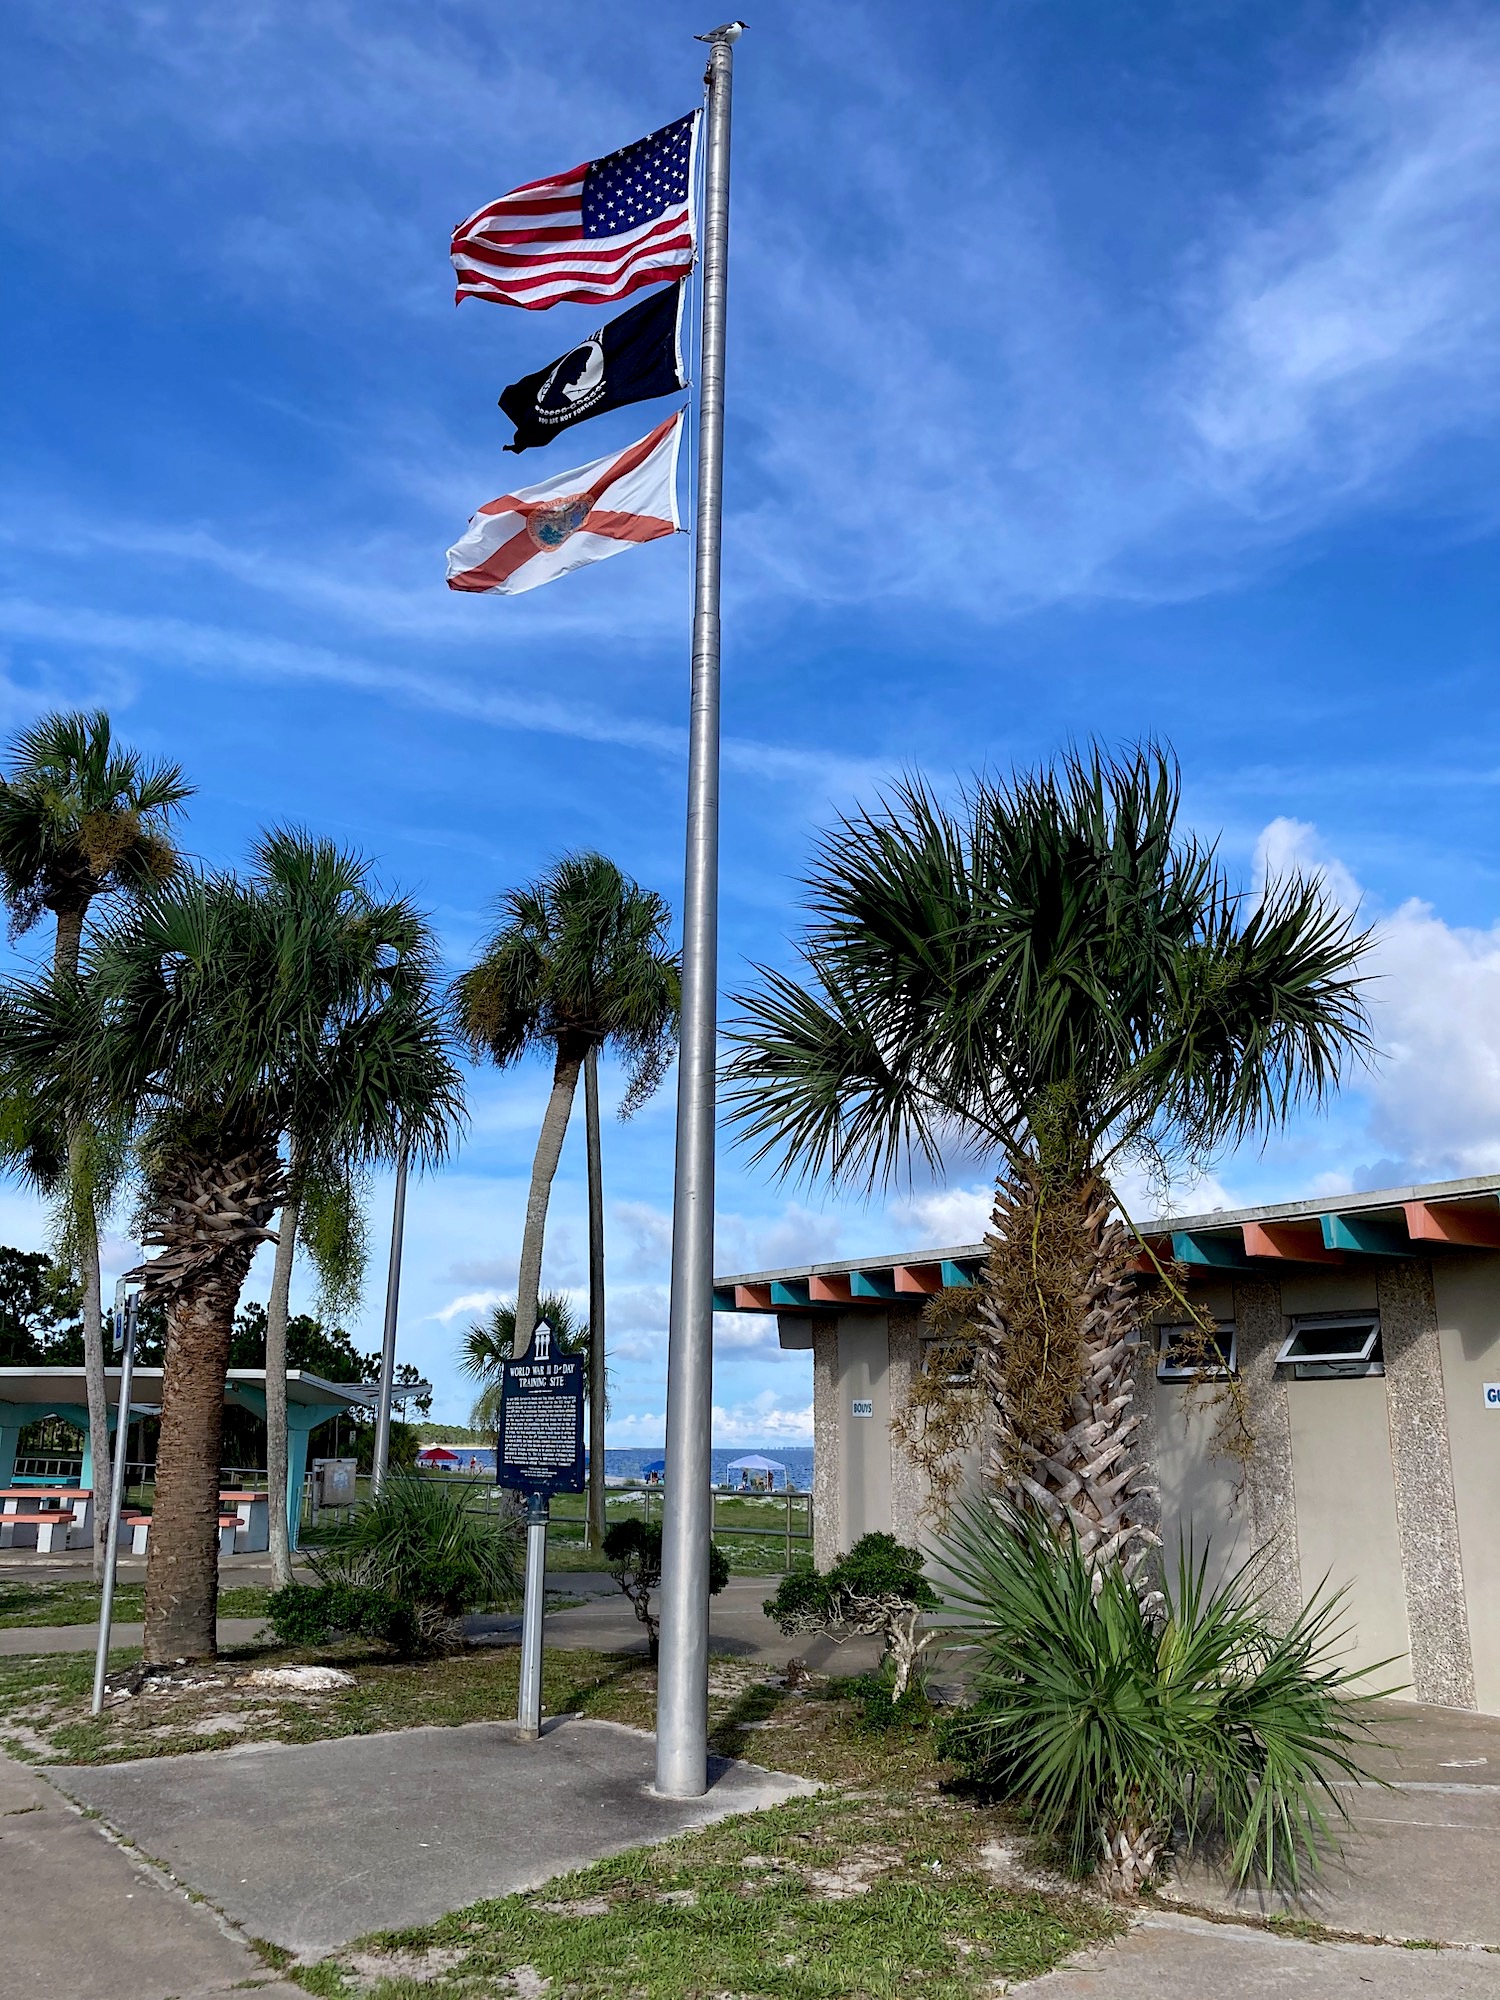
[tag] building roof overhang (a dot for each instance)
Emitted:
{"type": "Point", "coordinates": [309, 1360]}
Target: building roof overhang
{"type": "Point", "coordinates": [243, 1387]}
{"type": "Point", "coordinates": [1352, 1229]}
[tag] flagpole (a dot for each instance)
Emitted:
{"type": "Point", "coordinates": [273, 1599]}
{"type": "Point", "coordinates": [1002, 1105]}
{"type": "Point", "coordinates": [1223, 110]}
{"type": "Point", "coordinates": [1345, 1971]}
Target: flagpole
{"type": "Point", "coordinates": [682, 1676]}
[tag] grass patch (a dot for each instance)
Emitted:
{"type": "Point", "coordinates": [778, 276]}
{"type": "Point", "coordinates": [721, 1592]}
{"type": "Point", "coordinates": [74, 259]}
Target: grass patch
{"type": "Point", "coordinates": [76, 1602]}
{"type": "Point", "coordinates": [875, 1887]}
{"type": "Point", "coordinates": [875, 1894]}
{"type": "Point", "coordinates": [746, 1558]}
{"type": "Point", "coordinates": [44, 1700]}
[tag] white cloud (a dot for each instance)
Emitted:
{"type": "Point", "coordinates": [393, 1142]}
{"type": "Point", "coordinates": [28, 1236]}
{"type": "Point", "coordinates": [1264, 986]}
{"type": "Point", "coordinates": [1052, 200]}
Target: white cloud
{"type": "Point", "coordinates": [1434, 1089]}
{"type": "Point", "coordinates": [945, 1217]}
{"type": "Point", "coordinates": [215, 651]}
{"type": "Point", "coordinates": [1291, 847]}
{"type": "Point", "coordinates": [467, 1305]}
{"type": "Point", "coordinates": [797, 1236]}
{"type": "Point", "coordinates": [1300, 350]}
{"type": "Point", "coordinates": [1358, 314]}
{"type": "Point", "coordinates": [745, 1334]}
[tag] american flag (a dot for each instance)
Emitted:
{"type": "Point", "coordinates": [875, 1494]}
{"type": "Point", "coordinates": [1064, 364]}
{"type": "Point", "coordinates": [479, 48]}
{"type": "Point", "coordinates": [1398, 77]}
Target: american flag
{"type": "Point", "coordinates": [592, 235]}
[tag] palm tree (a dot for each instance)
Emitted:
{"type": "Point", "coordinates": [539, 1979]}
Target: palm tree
{"type": "Point", "coordinates": [580, 961]}
{"type": "Point", "coordinates": [324, 905]}
{"type": "Point", "coordinates": [202, 1022]}
{"type": "Point", "coordinates": [1056, 975]}
{"type": "Point", "coordinates": [489, 1343]}
{"type": "Point", "coordinates": [81, 817]}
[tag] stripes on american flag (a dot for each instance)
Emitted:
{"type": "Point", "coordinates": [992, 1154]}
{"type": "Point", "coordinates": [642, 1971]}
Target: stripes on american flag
{"type": "Point", "coordinates": [590, 236]}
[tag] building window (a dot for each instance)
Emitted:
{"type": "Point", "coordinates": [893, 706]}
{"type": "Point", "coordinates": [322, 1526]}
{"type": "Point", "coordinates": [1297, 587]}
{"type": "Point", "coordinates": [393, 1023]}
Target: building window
{"type": "Point", "coordinates": [1333, 1346]}
{"type": "Point", "coordinates": [1180, 1357]}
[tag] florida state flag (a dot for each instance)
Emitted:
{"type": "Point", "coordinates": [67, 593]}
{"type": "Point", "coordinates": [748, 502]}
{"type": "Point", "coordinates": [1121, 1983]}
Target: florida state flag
{"type": "Point", "coordinates": [541, 532]}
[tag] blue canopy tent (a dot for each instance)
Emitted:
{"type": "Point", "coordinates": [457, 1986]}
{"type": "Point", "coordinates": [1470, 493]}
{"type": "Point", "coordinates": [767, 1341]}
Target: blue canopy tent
{"type": "Point", "coordinates": [757, 1467]}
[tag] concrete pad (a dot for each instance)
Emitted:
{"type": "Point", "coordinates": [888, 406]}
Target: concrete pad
{"type": "Point", "coordinates": [310, 1845]}
{"type": "Point", "coordinates": [1180, 1958]}
{"type": "Point", "coordinates": [81, 1918]}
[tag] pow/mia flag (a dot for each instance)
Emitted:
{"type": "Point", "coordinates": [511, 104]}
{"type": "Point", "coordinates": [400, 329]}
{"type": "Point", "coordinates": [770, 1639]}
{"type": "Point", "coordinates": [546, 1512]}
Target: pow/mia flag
{"type": "Point", "coordinates": [635, 357]}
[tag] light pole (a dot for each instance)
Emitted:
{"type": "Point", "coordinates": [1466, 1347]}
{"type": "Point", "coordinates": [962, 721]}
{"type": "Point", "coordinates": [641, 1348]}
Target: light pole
{"type": "Point", "coordinates": [124, 1322]}
{"type": "Point", "coordinates": [382, 1456]}
{"type": "Point", "coordinates": [682, 1680]}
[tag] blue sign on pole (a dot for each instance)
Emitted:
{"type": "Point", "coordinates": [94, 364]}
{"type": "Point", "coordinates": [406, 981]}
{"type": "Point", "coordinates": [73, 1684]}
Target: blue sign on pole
{"type": "Point", "coordinates": [541, 1420]}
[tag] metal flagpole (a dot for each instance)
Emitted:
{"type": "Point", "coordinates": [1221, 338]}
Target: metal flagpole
{"type": "Point", "coordinates": [682, 1678]}
{"type": "Point", "coordinates": [382, 1455]}
{"type": "Point", "coordinates": [125, 1319]}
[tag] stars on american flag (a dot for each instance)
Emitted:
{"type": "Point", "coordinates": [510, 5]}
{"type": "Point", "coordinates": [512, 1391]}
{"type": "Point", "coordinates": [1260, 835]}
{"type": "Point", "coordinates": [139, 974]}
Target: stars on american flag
{"type": "Point", "coordinates": [640, 182]}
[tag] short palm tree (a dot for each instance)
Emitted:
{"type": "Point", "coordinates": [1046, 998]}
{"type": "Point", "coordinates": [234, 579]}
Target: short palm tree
{"type": "Point", "coordinates": [490, 1342]}
{"type": "Point", "coordinates": [203, 1024]}
{"type": "Point", "coordinates": [1054, 974]}
{"type": "Point", "coordinates": [579, 962]}
{"type": "Point", "coordinates": [82, 817]}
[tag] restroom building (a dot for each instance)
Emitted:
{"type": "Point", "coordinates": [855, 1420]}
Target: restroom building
{"type": "Point", "coordinates": [1366, 1333]}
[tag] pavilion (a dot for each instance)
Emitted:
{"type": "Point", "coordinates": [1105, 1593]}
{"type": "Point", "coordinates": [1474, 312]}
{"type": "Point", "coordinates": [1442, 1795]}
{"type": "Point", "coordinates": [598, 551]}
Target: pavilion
{"type": "Point", "coordinates": [27, 1395]}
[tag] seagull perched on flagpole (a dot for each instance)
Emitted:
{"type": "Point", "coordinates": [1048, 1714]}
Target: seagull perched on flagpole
{"type": "Point", "coordinates": [730, 32]}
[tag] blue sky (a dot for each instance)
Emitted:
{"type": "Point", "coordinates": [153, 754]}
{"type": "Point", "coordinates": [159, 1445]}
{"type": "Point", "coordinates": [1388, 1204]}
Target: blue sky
{"type": "Point", "coordinates": [1094, 369]}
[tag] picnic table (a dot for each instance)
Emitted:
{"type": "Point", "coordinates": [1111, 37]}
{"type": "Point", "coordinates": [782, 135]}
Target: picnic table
{"type": "Point", "coordinates": [45, 1518]}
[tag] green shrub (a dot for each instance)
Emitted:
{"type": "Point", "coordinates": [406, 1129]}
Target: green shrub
{"type": "Point", "coordinates": [879, 1710]}
{"type": "Point", "coordinates": [633, 1551]}
{"type": "Point", "coordinates": [311, 1614]}
{"type": "Point", "coordinates": [420, 1542]}
{"type": "Point", "coordinates": [1114, 1721]}
{"type": "Point", "coordinates": [877, 1590]}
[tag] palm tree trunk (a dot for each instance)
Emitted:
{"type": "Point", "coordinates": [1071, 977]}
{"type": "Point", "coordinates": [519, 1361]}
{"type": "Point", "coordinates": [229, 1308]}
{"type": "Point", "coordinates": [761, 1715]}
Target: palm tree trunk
{"type": "Point", "coordinates": [596, 1300]}
{"type": "Point", "coordinates": [543, 1169]}
{"type": "Point", "coordinates": [1059, 1315]}
{"type": "Point", "coordinates": [67, 946]}
{"type": "Point", "coordinates": [277, 1310]}
{"type": "Point", "coordinates": [182, 1562]}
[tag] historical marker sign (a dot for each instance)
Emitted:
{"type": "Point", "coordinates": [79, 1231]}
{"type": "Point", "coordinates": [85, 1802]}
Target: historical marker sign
{"type": "Point", "coordinates": [541, 1421]}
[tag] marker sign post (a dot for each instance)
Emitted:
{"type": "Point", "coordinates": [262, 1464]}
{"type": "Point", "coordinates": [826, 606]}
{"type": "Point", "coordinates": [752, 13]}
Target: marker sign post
{"type": "Point", "coordinates": [541, 1453]}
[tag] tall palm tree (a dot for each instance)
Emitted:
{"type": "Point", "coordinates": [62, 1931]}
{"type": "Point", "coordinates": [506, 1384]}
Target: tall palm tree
{"type": "Point", "coordinates": [489, 1342]}
{"type": "Point", "coordinates": [324, 904]}
{"type": "Point", "coordinates": [203, 1022]}
{"type": "Point", "coordinates": [1056, 975]}
{"type": "Point", "coordinates": [82, 817]}
{"type": "Point", "coordinates": [579, 962]}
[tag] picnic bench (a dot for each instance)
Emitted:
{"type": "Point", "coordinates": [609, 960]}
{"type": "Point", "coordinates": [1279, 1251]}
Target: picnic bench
{"type": "Point", "coordinates": [246, 1530]}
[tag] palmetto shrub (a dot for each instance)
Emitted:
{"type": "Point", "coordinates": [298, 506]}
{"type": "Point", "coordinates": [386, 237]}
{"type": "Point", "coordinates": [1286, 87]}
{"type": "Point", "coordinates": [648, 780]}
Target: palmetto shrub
{"type": "Point", "coordinates": [1114, 1720]}
{"type": "Point", "coordinates": [303, 1614]}
{"type": "Point", "coordinates": [421, 1543]}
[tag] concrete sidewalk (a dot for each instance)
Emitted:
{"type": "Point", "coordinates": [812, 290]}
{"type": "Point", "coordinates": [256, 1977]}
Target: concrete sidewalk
{"type": "Point", "coordinates": [1423, 1860]}
{"type": "Point", "coordinates": [1170, 1957]}
{"type": "Point", "coordinates": [84, 1920]}
{"type": "Point", "coordinates": [309, 1845]}
{"type": "Point", "coordinates": [15, 1639]}
{"type": "Point", "coordinates": [738, 1628]}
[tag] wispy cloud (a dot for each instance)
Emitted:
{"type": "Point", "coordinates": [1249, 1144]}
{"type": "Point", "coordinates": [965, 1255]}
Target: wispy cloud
{"type": "Point", "coordinates": [218, 650]}
{"type": "Point", "coordinates": [1355, 316]}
